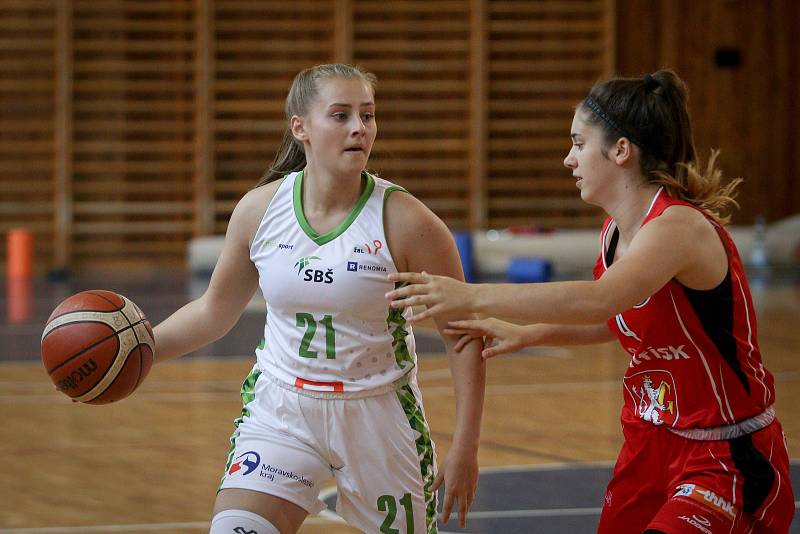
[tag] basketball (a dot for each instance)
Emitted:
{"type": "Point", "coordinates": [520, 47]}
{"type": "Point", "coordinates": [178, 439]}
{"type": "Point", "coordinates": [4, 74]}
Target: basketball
{"type": "Point", "coordinates": [97, 347]}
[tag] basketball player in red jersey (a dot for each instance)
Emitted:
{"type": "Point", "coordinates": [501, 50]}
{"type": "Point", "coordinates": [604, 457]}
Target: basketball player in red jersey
{"type": "Point", "coordinates": [703, 450]}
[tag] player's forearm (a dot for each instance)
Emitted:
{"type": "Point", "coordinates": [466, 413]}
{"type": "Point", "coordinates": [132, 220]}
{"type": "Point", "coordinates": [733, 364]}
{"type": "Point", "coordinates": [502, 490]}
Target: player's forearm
{"type": "Point", "coordinates": [563, 303]}
{"type": "Point", "coordinates": [564, 335]}
{"type": "Point", "coordinates": [192, 327]}
{"type": "Point", "coordinates": [469, 382]}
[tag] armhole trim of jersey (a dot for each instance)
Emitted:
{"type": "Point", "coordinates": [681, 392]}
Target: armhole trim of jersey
{"type": "Point", "coordinates": [253, 243]}
{"type": "Point", "coordinates": [391, 189]}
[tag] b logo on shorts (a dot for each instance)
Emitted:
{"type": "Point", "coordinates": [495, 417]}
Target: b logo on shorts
{"type": "Point", "coordinates": [250, 460]}
{"type": "Point", "coordinates": [708, 498]}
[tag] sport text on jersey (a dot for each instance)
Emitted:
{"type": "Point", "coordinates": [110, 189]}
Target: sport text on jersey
{"type": "Point", "coordinates": [275, 244]}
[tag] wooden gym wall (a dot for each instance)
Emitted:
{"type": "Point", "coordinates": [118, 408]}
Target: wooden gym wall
{"type": "Point", "coordinates": [742, 66]}
{"type": "Point", "coordinates": [130, 126]}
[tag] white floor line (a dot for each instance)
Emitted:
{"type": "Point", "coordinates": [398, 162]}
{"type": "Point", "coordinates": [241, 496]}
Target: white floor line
{"type": "Point", "coordinates": [541, 512]}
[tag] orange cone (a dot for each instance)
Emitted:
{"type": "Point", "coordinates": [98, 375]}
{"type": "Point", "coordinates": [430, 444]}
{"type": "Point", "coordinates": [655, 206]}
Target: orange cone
{"type": "Point", "coordinates": [19, 267]}
{"type": "Point", "coordinates": [20, 253]}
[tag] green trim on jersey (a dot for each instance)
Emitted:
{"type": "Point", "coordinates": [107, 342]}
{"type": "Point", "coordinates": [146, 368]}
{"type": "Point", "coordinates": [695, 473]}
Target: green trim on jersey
{"type": "Point", "coordinates": [248, 395]}
{"type": "Point", "coordinates": [391, 189]}
{"type": "Point", "coordinates": [396, 324]}
{"type": "Point", "coordinates": [416, 419]}
{"type": "Point", "coordinates": [321, 239]}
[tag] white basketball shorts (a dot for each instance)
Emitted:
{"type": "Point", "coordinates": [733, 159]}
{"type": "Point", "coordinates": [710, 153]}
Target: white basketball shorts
{"type": "Point", "coordinates": [377, 448]}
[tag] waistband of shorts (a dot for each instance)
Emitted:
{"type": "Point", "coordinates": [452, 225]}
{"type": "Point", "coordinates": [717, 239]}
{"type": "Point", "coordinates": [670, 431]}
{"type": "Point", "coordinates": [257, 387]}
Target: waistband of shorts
{"type": "Point", "coordinates": [343, 395]}
{"type": "Point", "coordinates": [742, 428]}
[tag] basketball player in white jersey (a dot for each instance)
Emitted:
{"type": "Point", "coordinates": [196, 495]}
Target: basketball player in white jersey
{"type": "Point", "coordinates": [333, 393]}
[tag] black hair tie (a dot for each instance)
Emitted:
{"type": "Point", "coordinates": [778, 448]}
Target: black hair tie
{"type": "Point", "coordinates": [598, 110]}
{"type": "Point", "coordinates": [650, 83]}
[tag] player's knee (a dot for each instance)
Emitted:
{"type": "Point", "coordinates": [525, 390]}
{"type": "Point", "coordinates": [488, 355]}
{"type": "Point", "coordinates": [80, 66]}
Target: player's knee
{"type": "Point", "coordinates": [241, 522]}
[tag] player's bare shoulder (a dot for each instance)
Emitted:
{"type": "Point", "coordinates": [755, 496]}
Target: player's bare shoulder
{"type": "Point", "coordinates": [407, 218]}
{"type": "Point", "coordinates": [688, 221]}
{"type": "Point", "coordinates": [407, 215]}
{"type": "Point", "coordinates": [255, 202]}
{"type": "Point", "coordinates": [413, 230]}
{"type": "Point", "coordinates": [694, 238]}
{"type": "Point", "coordinates": [250, 209]}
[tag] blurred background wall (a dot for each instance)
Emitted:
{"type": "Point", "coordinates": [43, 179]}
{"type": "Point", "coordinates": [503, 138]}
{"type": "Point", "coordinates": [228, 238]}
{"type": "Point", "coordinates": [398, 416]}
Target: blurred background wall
{"type": "Point", "coordinates": [128, 127]}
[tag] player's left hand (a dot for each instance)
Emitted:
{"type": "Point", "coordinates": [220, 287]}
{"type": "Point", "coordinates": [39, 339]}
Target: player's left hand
{"type": "Point", "coordinates": [500, 337]}
{"type": "Point", "coordinates": [459, 474]}
{"type": "Point", "coordinates": [440, 294]}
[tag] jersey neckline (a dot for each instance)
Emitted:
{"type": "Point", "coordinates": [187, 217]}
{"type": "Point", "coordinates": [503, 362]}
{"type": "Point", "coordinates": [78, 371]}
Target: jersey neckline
{"type": "Point", "coordinates": [316, 237]}
{"type": "Point", "coordinates": [605, 246]}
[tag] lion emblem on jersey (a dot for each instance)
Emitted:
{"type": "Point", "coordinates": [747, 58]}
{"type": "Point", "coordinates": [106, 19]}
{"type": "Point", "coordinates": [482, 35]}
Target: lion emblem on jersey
{"type": "Point", "coordinates": [654, 397]}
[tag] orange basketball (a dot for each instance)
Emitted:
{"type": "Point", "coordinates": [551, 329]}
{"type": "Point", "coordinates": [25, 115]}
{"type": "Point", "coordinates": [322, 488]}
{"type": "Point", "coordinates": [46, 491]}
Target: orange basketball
{"type": "Point", "coordinates": [97, 347]}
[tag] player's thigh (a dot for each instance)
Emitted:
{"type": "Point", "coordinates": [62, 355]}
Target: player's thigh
{"type": "Point", "coordinates": [628, 507]}
{"type": "Point", "coordinates": [286, 516]}
{"type": "Point", "coordinates": [388, 465]}
{"type": "Point", "coordinates": [742, 487]}
{"type": "Point", "coordinates": [274, 453]}
{"type": "Point", "coordinates": [636, 491]}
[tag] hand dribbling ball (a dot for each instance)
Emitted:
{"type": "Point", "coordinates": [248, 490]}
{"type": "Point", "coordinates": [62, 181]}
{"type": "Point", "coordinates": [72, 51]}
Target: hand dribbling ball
{"type": "Point", "coordinates": [97, 347]}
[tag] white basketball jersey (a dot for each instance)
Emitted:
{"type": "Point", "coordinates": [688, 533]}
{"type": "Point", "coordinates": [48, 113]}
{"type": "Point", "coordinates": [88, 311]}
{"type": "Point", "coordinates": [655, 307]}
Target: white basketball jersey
{"type": "Point", "coordinates": [329, 327]}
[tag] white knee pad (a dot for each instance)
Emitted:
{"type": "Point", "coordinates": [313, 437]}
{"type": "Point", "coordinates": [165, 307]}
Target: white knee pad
{"type": "Point", "coordinates": [241, 522]}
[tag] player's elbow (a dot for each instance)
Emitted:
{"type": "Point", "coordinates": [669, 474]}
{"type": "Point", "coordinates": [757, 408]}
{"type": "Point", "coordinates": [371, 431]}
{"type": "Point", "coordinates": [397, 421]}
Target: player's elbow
{"type": "Point", "coordinates": [217, 318]}
{"type": "Point", "coordinates": [597, 313]}
{"type": "Point", "coordinates": [602, 304]}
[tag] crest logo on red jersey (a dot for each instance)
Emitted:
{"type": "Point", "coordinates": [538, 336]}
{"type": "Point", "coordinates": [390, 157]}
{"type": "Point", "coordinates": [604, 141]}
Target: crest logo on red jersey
{"type": "Point", "coordinates": [654, 397]}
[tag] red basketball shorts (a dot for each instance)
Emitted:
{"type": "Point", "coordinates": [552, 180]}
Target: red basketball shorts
{"type": "Point", "coordinates": [676, 485]}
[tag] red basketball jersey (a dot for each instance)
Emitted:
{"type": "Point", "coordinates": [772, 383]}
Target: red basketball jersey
{"type": "Point", "coordinates": [694, 358]}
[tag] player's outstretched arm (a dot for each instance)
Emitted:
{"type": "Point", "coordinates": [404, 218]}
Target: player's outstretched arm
{"type": "Point", "coordinates": [233, 283]}
{"type": "Point", "coordinates": [420, 241]}
{"type": "Point", "coordinates": [502, 337]}
{"type": "Point", "coordinates": [679, 244]}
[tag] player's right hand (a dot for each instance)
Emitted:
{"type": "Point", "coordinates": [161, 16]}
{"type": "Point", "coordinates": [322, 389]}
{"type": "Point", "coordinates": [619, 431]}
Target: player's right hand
{"type": "Point", "coordinates": [500, 337]}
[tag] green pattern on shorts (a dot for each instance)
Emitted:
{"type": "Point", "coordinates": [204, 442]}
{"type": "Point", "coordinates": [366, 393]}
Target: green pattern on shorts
{"type": "Point", "coordinates": [248, 396]}
{"type": "Point", "coordinates": [396, 323]}
{"type": "Point", "coordinates": [416, 418]}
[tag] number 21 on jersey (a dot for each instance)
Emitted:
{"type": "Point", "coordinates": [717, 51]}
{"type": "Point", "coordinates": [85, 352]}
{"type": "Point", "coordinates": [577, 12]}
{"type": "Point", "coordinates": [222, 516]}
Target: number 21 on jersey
{"type": "Point", "coordinates": [307, 321]}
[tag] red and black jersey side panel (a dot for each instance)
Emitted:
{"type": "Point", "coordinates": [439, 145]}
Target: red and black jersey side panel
{"type": "Point", "coordinates": [716, 309]}
{"type": "Point", "coordinates": [727, 317]}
